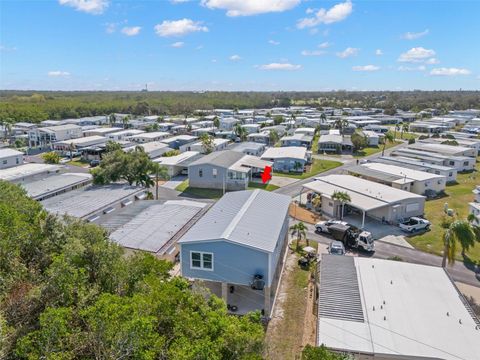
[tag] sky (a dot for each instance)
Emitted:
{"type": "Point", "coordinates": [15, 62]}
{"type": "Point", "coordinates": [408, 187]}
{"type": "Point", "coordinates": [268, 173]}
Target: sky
{"type": "Point", "coordinates": [261, 45]}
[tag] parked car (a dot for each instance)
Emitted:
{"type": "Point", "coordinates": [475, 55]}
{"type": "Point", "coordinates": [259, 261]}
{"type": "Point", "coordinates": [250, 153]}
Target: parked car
{"type": "Point", "coordinates": [336, 248]}
{"type": "Point", "coordinates": [94, 163]}
{"type": "Point", "coordinates": [414, 224]}
{"type": "Point", "coordinates": [323, 226]}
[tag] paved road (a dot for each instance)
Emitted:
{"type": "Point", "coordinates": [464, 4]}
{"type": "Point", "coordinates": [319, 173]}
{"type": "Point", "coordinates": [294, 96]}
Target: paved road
{"type": "Point", "coordinates": [294, 188]}
{"type": "Point", "coordinates": [383, 250]}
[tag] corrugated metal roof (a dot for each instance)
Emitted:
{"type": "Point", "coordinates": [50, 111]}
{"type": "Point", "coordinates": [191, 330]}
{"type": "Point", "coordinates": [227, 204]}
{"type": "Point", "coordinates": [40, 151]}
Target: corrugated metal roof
{"type": "Point", "coordinates": [152, 227]}
{"type": "Point", "coordinates": [339, 294]}
{"type": "Point", "coordinates": [251, 218]}
{"type": "Point", "coordinates": [51, 184]}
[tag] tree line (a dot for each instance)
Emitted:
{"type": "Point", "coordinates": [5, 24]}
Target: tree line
{"type": "Point", "coordinates": [36, 106]}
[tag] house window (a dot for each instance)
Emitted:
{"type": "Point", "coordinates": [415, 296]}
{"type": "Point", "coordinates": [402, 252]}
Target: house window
{"type": "Point", "coordinates": [200, 173]}
{"type": "Point", "coordinates": [450, 174]}
{"type": "Point", "coordinates": [465, 163]}
{"type": "Point", "coordinates": [452, 163]}
{"type": "Point", "coordinates": [4, 162]}
{"type": "Point", "coordinates": [201, 260]}
{"type": "Point", "coordinates": [214, 173]}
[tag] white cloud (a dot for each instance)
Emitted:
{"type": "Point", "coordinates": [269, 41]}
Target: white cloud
{"type": "Point", "coordinates": [413, 36]}
{"type": "Point", "coordinates": [94, 7]}
{"type": "Point", "coordinates": [415, 55]}
{"type": "Point", "coordinates": [449, 72]}
{"type": "Point", "coordinates": [250, 7]}
{"type": "Point", "coordinates": [379, 52]}
{"type": "Point", "coordinates": [177, 44]}
{"type": "Point", "coordinates": [432, 61]}
{"type": "Point", "coordinates": [58, 73]}
{"type": "Point", "coordinates": [348, 52]}
{"type": "Point", "coordinates": [131, 30]}
{"type": "Point", "coordinates": [179, 27]}
{"type": "Point", "coordinates": [336, 13]}
{"type": "Point", "coordinates": [214, 60]}
{"type": "Point", "coordinates": [235, 57]}
{"type": "Point", "coordinates": [273, 42]}
{"type": "Point", "coordinates": [368, 68]}
{"type": "Point", "coordinates": [310, 11]}
{"type": "Point", "coordinates": [199, 47]}
{"type": "Point", "coordinates": [324, 45]}
{"type": "Point", "coordinates": [412, 68]}
{"type": "Point", "coordinates": [280, 66]}
{"type": "Point", "coordinates": [312, 52]}
{"type": "Point", "coordinates": [110, 28]}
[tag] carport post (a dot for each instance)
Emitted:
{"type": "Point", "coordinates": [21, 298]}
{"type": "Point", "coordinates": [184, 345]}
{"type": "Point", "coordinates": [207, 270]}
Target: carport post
{"type": "Point", "coordinates": [225, 292]}
{"type": "Point", "coordinates": [363, 218]}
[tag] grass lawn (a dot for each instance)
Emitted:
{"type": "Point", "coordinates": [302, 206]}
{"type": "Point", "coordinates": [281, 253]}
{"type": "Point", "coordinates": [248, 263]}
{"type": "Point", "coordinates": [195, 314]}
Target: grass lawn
{"type": "Point", "coordinates": [268, 187]}
{"type": "Point", "coordinates": [459, 195]}
{"type": "Point", "coordinates": [315, 143]}
{"type": "Point", "coordinates": [317, 167]}
{"type": "Point", "coordinates": [77, 162]}
{"type": "Point", "coordinates": [198, 192]}
{"type": "Point", "coordinates": [373, 150]}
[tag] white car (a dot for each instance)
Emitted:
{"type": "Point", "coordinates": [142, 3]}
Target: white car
{"type": "Point", "coordinates": [322, 226]}
{"type": "Point", "coordinates": [414, 224]}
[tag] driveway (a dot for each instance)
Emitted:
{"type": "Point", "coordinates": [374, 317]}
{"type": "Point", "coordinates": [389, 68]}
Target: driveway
{"type": "Point", "coordinates": [383, 250]}
{"type": "Point", "coordinates": [175, 181]}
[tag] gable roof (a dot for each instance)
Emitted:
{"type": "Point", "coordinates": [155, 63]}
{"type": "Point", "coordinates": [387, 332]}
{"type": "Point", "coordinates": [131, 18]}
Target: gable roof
{"type": "Point", "coordinates": [252, 218]}
{"type": "Point", "coordinates": [224, 158]}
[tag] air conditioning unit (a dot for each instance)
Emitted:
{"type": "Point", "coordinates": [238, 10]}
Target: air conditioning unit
{"type": "Point", "coordinates": [258, 283]}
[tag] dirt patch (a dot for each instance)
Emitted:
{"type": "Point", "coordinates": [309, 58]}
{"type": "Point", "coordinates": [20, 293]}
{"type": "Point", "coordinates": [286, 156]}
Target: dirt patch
{"type": "Point", "coordinates": [303, 214]}
{"type": "Point", "coordinates": [293, 322]}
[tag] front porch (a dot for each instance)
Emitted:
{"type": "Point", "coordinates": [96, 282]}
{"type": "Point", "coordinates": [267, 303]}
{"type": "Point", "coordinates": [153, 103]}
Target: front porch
{"type": "Point", "coordinates": [243, 297]}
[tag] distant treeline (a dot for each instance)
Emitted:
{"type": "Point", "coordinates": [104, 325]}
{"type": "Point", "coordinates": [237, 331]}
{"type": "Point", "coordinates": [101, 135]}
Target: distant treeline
{"type": "Point", "coordinates": [35, 106]}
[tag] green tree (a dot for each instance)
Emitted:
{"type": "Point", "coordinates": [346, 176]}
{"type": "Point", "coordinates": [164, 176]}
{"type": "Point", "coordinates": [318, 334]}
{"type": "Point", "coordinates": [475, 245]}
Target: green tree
{"type": "Point", "coordinates": [340, 124]}
{"type": "Point", "coordinates": [134, 167]}
{"type": "Point", "coordinates": [112, 119]}
{"type": "Point", "coordinates": [343, 198]}
{"type": "Point", "coordinates": [398, 126]}
{"type": "Point", "coordinates": [112, 146]}
{"type": "Point", "coordinates": [405, 128]}
{"type": "Point", "coordinates": [240, 132]}
{"type": "Point", "coordinates": [51, 157]}
{"type": "Point", "coordinates": [388, 138]}
{"type": "Point", "coordinates": [208, 144]}
{"type": "Point", "coordinates": [359, 141]}
{"type": "Point", "coordinates": [461, 232]}
{"type": "Point", "coordinates": [273, 137]}
{"type": "Point", "coordinates": [300, 230]}
{"type": "Point", "coordinates": [278, 119]}
{"type": "Point", "coordinates": [216, 122]}
{"type": "Point", "coordinates": [171, 153]}
{"type": "Point", "coordinates": [322, 353]}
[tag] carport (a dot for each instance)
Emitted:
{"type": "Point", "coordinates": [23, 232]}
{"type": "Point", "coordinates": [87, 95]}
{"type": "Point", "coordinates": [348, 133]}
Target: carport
{"type": "Point", "coordinates": [359, 201]}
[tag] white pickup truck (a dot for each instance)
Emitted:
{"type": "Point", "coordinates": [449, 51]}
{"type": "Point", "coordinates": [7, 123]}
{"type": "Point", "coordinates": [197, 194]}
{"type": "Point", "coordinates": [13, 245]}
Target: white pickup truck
{"type": "Point", "coordinates": [414, 224]}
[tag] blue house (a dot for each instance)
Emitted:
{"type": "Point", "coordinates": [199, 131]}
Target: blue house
{"type": "Point", "coordinates": [238, 248]}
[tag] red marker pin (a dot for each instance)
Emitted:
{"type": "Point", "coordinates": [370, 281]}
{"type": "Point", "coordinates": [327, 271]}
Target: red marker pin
{"type": "Point", "coordinates": [266, 174]}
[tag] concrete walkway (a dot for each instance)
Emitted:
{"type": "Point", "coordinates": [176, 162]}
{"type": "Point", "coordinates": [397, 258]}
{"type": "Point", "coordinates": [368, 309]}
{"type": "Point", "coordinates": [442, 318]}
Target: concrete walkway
{"type": "Point", "coordinates": [175, 181]}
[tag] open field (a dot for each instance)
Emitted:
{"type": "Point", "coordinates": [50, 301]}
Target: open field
{"type": "Point", "coordinates": [317, 167]}
{"type": "Point", "coordinates": [459, 195]}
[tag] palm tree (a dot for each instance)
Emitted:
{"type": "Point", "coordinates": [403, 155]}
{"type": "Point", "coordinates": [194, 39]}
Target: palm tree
{"type": "Point", "coordinates": [240, 132]}
{"type": "Point", "coordinates": [389, 138]}
{"type": "Point", "coordinates": [216, 122]}
{"type": "Point", "coordinates": [125, 121]}
{"type": "Point", "coordinates": [405, 128]}
{"type": "Point", "coordinates": [112, 119]}
{"type": "Point", "coordinates": [161, 173]}
{"type": "Point", "coordinates": [459, 231]}
{"type": "Point", "coordinates": [343, 198]}
{"type": "Point", "coordinates": [340, 124]}
{"type": "Point", "coordinates": [397, 128]}
{"type": "Point", "coordinates": [317, 202]}
{"type": "Point", "coordinates": [323, 118]}
{"type": "Point", "coordinates": [71, 148]}
{"type": "Point", "coordinates": [300, 230]}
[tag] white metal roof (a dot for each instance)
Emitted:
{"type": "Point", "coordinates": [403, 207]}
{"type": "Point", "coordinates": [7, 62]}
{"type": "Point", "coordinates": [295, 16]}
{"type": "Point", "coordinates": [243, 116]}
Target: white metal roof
{"type": "Point", "coordinates": [25, 170]}
{"type": "Point", "coordinates": [252, 218]}
{"type": "Point", "coordinates": [293, 152]}
{"type": "Point", "coordinates": [402, 171]}
{"type": "Point", "coordinates": [177, 159]}
{"type": "Point", "coordinates": [365, 195]}
{"type": "Point", "coordinates": [410, 310]}
{"type": "Point", "coordinates": [51, 184]}
{"type": "Point", "coordinates": [94, 139]}
{"type": "Point", "coordinates": [7, 152]}
{"type": "Point", "coordinates": [440, 148]}
{"type": "Point", "coordinates": [151, 135]}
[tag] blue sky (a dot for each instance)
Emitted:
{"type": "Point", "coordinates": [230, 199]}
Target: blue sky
{"type": "Point", "coordinates": [239, 45]}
